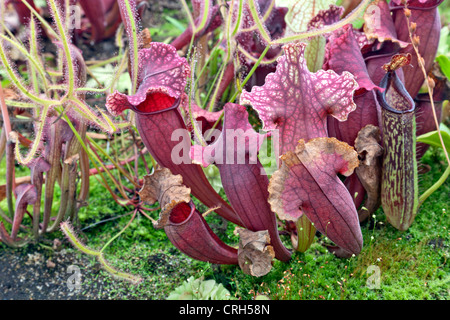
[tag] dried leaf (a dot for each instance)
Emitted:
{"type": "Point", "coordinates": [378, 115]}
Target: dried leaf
{"type": "Point", "coordinates": [164, 187]}
{"type": "Point", "coordinates": [254, 254]}
{"type": "Point", "coordinates": [367, 144]}
{"type": "Point", "coordinates": [146, 38]}
{"type": "Point", "coordinates": [167, 189]}
{"type": "Point", "coordinates": [398, 61]}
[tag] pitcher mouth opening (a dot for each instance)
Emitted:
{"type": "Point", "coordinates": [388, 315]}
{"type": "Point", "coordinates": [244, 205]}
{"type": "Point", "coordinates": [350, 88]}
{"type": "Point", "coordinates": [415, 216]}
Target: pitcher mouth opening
{"type": "Point", "coordinates": [181, 212]}
{"type": "Point", "coordinates": [156, 102]}
{"type": "Point", "coordinates": [392, 80]}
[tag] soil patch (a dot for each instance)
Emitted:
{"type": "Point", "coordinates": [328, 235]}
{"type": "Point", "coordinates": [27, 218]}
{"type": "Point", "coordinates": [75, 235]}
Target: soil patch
{"type": "Point", "coordinates": [37, 273]}
{"type": "Point", "coordinates": [42, 273]}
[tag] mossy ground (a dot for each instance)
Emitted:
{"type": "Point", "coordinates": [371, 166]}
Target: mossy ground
{"type": "Point", "coordinates": [412, 265]}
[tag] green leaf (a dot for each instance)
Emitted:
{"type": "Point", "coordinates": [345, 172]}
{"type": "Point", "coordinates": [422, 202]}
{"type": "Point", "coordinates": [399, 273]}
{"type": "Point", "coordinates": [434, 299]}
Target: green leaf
{"type": "Point", "coordinates": [432, 138]}
{"type": "Point", "coordinates": [444, 63]}
{"type": "Point", "coordinates": [105, 76]}
{"type": "Point", "coordinates": [199, 289]}
{"type": "Point", "coordinates": [444, 41]}
{"type": "Point", "coordinates": [301, 12]}
{"type": "Point", "coordinates": [177, 24]}
{"type": "Point", "coordinates": [315, 53]}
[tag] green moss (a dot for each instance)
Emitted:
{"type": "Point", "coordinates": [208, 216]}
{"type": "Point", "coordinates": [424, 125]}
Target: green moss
{"type": "Point", "coordinates": [413, 264]}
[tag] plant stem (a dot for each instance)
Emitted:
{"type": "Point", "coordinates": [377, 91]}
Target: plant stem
{"type": "Point", "coordinates": [97, 64]}
{"type": "Point", "coordinates": [213, 100]}
{"type": "Point", "coordinates": [67, 229]}
{"type": "Point", "coordinates": [89, 154]}
{"type": "Point", "coordinates": [132, 34]}
{"type": "Point", "coordinates": [120, 232]}
{"type": "Point", "coordinates": [197, 133]}
{"type": "Point", "coordinates": [435, 186]}
{"type": "Point", "coordinates": [18, 84]}
{"type": "Point", "coordinates": [189, 15]}
{"type": "Point", "coordinates": [5, 115]}
{"type": "Point", "coordinates": [258, 21]}
{"type": "Point", "coordinates": [252, 71]}
{"type": "Point", "coordinates": [66, 45]}
{"type": "Point", "coordinates": [239, 19]}
{"type": "Point", "coordinates": [42, 20]}
{"type": "Point", "coordinates": [247, 78]}
{"type": "Point", "coordinates": [420, 60]}
{"type": "Point", "coordinates": [330, 28]}
{"type": "Point", "coordinates": [34, 62]}
{"type": "Point", "coordinates": [117, 165]}
{"type": "Point", "coordinates": [204, 16]}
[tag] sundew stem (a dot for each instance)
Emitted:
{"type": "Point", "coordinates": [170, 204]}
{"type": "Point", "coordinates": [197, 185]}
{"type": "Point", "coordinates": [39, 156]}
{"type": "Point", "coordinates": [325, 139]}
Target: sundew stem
{"type": "Point", "coordinates": [239, 19]}
{"type": "Point", "coordinates": [132, 34]}
{"type": "Point", "coordinates": [33, 53]}
{"type": "Point", "coordinates": [91, 155]}
{"type": "Point", "coordinates": [258, 21]}
{"type": "Point", "coordinates": [216, 78]}
{"type": "Point", "coordinates": [35, 64]}
{"type": "Point", "coordinates": [190, 95]}
{"type": "Point", "coordinates": [119, 233]}
{"type": "Point", "coordinates": [330, 28]}
{"type": "Point", "coordinates": [66, 46]}
{"type": "Point", "coordinates": [18, 84]}
{"type": "Point", "coordinates": [247, 78]}
{"type": "Point", "coordinates": [68, 231]}
{"type": "Point", "coordinates": [122, 275]}
{"type": "Point", "coordinates": [42, 20]}
{"type": "Point", "coordinates": [264, 18]}
{"type": "Point", "coordinates": [35, 145]}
